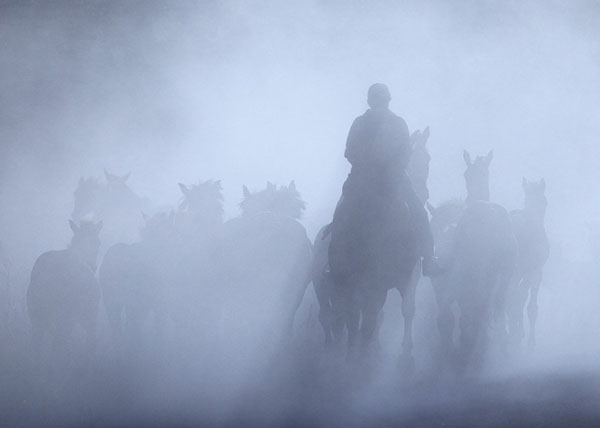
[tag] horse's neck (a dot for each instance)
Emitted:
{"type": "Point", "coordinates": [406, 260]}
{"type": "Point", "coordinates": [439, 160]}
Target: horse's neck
{"type": "Point", "coordinates": [79, 252]}
{"type": "Point", "coordinates": [534, 216]}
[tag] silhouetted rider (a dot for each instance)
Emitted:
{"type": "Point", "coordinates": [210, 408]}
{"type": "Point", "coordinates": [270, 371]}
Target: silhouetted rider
{"type": "Point", "coordinates": [378, 148]}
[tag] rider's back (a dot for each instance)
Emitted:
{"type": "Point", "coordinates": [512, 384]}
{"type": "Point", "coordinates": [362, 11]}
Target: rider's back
{"type": "Point", "coordinates": [378, 139]}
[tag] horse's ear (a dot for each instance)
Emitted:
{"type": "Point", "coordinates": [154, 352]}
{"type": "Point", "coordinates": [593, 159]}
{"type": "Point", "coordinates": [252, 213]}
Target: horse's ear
{"type": "Point", "coordinates": [414, 138]}
{"type": "Point", "coordinates": [292, 186]}
{"type": "Point", "coordinates": [74, 226]}
{"type": "Point", "coordinates": [218, 184]}
{"type": "Point", "coordinates": [525, 183]}
{"type": "Point", "coordinates": [467, 158]}
{"type": "Point", "coordinates": [126, 177]}
{"type": "Point", "coordinates": [543, 185]}
{"type": "Point", "coordinates": [270, 185]}
{"type": "Point", "coordinates": [425, 135]}
{"type": "Point", "coordinates": [184, 188]}
{"type": "Point", "coordinates": [245, 191]}
{"type": "Point", "coordinates": [430, 208]}
{"type": "Point", "coordinates": [99, 226]}
{"type": "Point", "coordinates": [489, 157]}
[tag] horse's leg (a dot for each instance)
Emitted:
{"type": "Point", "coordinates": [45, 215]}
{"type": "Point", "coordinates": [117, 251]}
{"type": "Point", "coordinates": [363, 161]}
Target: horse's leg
{"type": "Point", "coordinates": [473, 321]}
{"type": "Point", "coordinates": [408, 309]}
{"type": "Point", "coordinates": [535, 280]}
{"type": "Point", "coordinates": [349, 303]}
{"type": "Point", "coordinates": [338, 315]}
{"type": "Point", "coordinates": [445, 318]}
{"type": "Point", "coordinates": [372, 304]}
{"type": "Point", "coordinates": [501, 294]}
{"type": "Point", "coordinates": [408, 313]}
{"type": "Point", "coordinates": [88, 323]}
{"type": "Point", "coordinates": [517, 301]}
{"type": "Point", "coordinates": [324, 306]}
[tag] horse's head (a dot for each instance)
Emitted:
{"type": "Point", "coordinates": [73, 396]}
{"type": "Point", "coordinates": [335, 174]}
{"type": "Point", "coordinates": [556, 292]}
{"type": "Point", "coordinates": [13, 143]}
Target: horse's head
{"type": "Point", "coordinates": [444, 219]}
{"type": "Point", "coordinates": [87, 198]}
{"type": "Point", "coordinates": [284, 201]}
{"type": "Point", "coordinates": [86, 241]}
{"type": "Point", "coordinates": [117, 189]}
{"type": "Point", "coordinates": [288, 201]}
{"type": "Point", "coordinates": [535, 198]}
{"type": "Point", "coordinates": [159, 228]}
{"type": "Point", "coordinates": [477, 176]}
{"type": "Point", "coordinates": [204, 199]}
{"type": "Point", "coordinates": [418, 167]}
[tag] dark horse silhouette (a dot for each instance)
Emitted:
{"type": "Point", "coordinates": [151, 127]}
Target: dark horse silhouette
{"type": "Point", "coordinates": [373, 249]}
{"type": "Point", "coordinates": [267, 258]}
{"type": "Point", "coordinates": [331, 313]}
{"type": "Point", "coordinates": [476, 245]}
{"type": "Point", "coordinates": [534, 249]}
{"type": "Point", "coordinates": [132, 279]}
{"type": "Point", "coordinates": [196, 291]}
{"type": "Point", "coordinates": [63, 290]}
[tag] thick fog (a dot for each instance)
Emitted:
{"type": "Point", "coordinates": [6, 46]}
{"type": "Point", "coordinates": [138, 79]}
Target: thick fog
{"type": "Point", "coordinates": [250, 92]}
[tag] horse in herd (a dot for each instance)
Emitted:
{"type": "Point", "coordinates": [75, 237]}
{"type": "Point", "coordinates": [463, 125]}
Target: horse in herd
{"type": "Point", "coordinates": [190, 268]}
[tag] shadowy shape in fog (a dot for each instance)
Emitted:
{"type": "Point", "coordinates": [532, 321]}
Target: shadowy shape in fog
{"type": "Point", "coordinates": [477, 246]}
{"type": "Point", "coordinates": [63, 291]}
{"type": "Point", "coordinates": [114, 203]}
{"type": "Point", "coordinates": [132, 278]}
{"type": "Point", "coordinates": [534, 250]}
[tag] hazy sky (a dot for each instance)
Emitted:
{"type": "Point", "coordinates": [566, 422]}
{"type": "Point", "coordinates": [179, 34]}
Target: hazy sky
{"type": "Point", "coordinates": [248, 91]}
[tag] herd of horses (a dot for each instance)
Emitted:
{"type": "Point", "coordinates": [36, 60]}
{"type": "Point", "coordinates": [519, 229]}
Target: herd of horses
{"type": "Point", "coordinates": [208, 276]}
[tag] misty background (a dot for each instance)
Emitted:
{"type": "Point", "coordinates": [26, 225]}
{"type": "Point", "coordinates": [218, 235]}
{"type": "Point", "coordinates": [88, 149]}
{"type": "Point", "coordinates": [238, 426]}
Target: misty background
{"type": "Point", "coordinates": [251, 91]}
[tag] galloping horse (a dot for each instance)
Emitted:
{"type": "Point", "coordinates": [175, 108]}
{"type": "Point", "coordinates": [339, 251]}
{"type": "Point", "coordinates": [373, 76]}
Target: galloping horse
{"type": "Point", "coordinates": [267, 258]}
{"type": "Point", "coordinates": [478, 247]}
{"type": "Point", "coordinates": [528, 224]}
{"type": "Point", "coordinates": [373, 248]}
{"type": "Point", "coordinates": [132, 278]}
{"type": "Point", "coordinates": [194, 278]}
{"type": "Point", "coordinates": [331, 313]}
{"type": "Point", "coordinates": [63, 290]}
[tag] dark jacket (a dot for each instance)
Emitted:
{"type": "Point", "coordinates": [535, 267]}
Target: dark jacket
{"type": "Point", "coordinates": [378, 140]}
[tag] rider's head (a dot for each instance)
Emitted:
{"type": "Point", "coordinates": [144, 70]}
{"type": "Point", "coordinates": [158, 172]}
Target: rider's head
{"type": "Point", "coordinates": [379, 96]}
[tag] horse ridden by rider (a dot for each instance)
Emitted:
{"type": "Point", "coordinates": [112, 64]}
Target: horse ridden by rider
{"type": "Point", "coordinates": [380, 227]}
{"type": "Point", "coordinates": [331, 320]}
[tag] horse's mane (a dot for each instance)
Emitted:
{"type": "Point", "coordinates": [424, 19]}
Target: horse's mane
{"type": "Point", "coordinates": [208, 194]}
{"type": "Point", "coordinates": [283, 200]}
